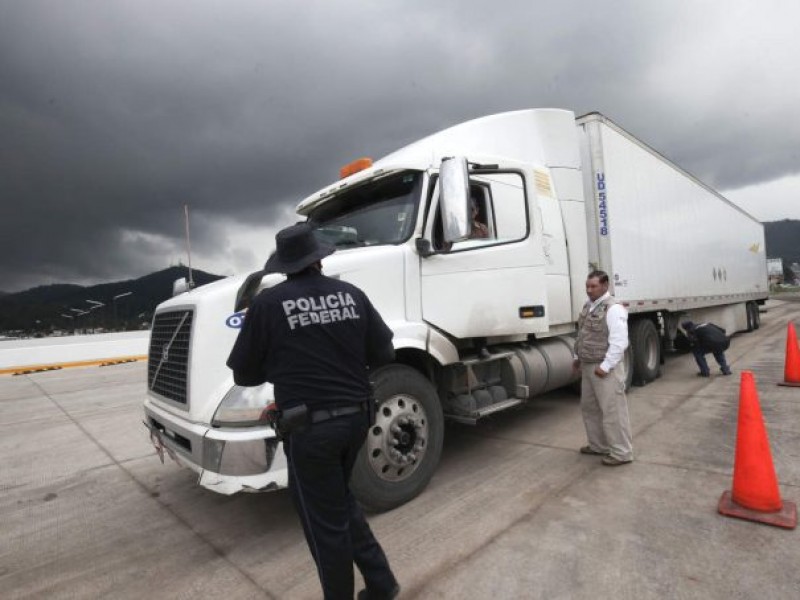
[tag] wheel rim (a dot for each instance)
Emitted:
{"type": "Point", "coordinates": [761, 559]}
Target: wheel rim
{"type": "Point", "coordinates": [397, 442]}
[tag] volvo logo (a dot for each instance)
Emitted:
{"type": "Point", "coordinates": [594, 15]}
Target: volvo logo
{"type": "Point", "coordinates": [165, 352]}
{"type": "Point", "coordinates": [236, 320]}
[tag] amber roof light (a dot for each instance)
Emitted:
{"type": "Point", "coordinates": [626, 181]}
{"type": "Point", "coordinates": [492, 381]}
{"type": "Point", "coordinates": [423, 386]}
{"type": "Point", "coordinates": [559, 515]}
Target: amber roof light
{"type": "Point", "coordinates": [354, 167]}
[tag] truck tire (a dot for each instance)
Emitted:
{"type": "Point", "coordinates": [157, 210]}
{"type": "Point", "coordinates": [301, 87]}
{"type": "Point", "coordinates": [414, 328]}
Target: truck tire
{"type": "Point", "coordinates": [628, 360]}
{"type": "Point", "coordinates": [646, 349]}
{"type": "Point", "coordinates": [753, 316]}
{"type": "Point", "coordinates": [403, 447]}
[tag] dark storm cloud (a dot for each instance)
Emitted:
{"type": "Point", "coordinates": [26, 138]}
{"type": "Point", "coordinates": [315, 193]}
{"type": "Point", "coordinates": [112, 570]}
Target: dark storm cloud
{"type": "Point", "coordinates": [115, 114]}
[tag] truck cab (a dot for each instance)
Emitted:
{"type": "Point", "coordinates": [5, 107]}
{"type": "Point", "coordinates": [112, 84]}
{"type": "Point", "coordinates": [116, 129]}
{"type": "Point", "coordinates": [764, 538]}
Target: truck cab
{"type": "Point", "coordinates": [444, 292]}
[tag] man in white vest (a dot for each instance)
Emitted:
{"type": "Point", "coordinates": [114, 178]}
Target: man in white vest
{"type": "Point", "coordinates": [599, 349]}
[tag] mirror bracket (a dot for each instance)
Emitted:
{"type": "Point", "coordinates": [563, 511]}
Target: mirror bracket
{"type": "Point", "coordinates": [424, 248]}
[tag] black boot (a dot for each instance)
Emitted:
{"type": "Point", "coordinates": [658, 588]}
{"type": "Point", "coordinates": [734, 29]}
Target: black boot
{"type": "Point", "coordinates": [368, 595]}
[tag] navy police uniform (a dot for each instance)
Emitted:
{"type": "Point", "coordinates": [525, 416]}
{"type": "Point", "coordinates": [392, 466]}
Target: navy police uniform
{"type": "Point", "coordinates": [314, 338]}
{"type": "Point", "coordinates": [705, 338]}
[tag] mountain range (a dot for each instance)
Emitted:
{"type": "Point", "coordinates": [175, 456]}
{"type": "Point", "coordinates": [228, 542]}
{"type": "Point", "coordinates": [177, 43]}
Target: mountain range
{"type": "Point", "coordinates": [122, 304]}
{"type": "Point", "coordinates": [783, 240]}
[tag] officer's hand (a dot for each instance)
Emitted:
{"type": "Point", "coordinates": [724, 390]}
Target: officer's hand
{"type": "Point", "coordinates": [269, 416]}
{"type": "Point", "coordinates": [599, 372]}
{"type": "Point", "coordinates": [576, 365]}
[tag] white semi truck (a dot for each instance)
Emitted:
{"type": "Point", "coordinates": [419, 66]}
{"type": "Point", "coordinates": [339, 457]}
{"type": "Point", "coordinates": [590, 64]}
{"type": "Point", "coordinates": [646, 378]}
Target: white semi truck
{"type": "Point", "coordinates": [558, 196]}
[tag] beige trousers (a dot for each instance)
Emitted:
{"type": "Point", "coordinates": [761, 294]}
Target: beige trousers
{"type": "Point", "coordinates": [605, 411]}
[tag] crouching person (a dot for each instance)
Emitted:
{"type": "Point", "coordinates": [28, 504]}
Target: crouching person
{"type": "Point", "coordinates": [707, 338]}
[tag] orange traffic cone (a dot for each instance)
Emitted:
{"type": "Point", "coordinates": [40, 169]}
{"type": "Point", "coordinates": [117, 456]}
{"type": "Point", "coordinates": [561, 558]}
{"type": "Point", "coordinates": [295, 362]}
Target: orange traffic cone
{"type": "Point", "coordinates": [755, 494]}
{"type": "Point", "coordinates": [791, 369]}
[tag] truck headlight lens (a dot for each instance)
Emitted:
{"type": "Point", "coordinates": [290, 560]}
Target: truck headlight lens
{"type": "Point", "coordinates": [242, 406]}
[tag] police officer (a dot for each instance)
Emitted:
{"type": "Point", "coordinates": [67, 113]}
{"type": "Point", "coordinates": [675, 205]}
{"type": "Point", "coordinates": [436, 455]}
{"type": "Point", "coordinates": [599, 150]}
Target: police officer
{"type": "Point", "coordinates": [315, 338]}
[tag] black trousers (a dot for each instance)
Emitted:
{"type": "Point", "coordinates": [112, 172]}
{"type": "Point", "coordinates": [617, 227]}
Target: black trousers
{"type": "Point", "coordinates": [702, 363]}
{"type": "Point", "coordinates": [320, 461]}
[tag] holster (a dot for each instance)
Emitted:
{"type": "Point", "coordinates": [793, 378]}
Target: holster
{"type": "Point", "coordinates": [292, 420]}
{"type": "Point", "coordinates": [285, 422]}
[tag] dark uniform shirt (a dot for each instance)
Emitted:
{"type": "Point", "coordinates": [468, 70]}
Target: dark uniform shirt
{"type": "Point", "coordinates": [313, 337]}
{"type": "Point", "coordinates": [709, 338]}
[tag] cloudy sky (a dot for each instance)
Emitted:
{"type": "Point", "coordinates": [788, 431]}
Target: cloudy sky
{"type": "Point", "coordinates": [114, 114]}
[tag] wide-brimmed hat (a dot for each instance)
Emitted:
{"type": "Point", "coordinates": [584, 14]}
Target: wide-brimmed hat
{"type": "Point", "coordinates": [296, 248]}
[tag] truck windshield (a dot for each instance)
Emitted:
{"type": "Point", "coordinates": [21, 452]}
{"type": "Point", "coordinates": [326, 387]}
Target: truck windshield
{"type": "Point", "coordinates": [378, 212]}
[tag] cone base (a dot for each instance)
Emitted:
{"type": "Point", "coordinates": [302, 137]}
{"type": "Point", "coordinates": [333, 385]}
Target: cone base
{"type": "Point", "coordinates": [789, 383]}
{"type": "Point", "coordinates": [785, 517]}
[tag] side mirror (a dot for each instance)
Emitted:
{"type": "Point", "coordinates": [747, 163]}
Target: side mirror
{"type": "Point", "coordinates": [454, 200]}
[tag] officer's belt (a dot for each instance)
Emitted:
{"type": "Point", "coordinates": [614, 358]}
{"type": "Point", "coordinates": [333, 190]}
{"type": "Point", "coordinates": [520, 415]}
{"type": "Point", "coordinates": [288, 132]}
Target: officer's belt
{"type": "Point", "coordinates": [325, 414]}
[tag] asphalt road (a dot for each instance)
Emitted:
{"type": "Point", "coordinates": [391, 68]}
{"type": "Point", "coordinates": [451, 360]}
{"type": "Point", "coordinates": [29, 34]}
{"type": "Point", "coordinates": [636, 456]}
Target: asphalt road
{"type": "Point", "coordinates": [514, 511]}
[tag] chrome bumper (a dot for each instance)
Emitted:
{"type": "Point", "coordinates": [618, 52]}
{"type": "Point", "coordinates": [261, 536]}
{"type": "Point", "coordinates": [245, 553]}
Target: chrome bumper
{"type": "Point", "coordinates": [226, 460]}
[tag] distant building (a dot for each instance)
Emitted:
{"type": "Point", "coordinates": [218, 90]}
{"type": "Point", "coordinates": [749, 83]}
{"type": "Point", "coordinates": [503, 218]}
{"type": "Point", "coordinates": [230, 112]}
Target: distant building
{"type": "Point", "coordinates": [775, 271]}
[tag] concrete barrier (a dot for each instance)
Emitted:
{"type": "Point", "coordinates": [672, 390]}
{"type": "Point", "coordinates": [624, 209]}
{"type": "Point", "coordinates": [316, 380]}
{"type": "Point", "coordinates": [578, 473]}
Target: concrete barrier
{"type": "Point", "coordinates": [69, 351]}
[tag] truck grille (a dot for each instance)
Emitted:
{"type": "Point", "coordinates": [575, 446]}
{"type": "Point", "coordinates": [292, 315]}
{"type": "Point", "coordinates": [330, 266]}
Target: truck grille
{"type": "Point", "coordinates": [168, 359]}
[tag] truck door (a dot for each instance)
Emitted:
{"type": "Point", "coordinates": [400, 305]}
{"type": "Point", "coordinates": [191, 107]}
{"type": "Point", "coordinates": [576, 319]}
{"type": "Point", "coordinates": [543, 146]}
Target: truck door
{"type": "Point", "coordinates": [492, 284]}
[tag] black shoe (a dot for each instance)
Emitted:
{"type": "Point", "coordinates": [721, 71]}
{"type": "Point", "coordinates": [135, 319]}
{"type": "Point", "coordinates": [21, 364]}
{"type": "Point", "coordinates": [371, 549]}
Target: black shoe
{"type": "Point", "coordinates": [368, 595]}
{"type": "Point", "coordinates": [727, 372]}
{"type": "Point", "coordinates": [703, 375]}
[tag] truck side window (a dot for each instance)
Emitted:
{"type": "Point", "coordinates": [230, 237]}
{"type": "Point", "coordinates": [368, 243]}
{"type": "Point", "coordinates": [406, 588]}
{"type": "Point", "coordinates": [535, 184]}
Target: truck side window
{"type": "Point", "coordinates": [499, 211]}
{"type": "Point", "coordinates": [482, 226]}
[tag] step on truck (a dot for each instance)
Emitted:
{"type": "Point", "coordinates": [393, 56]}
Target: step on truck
{"type": "Point", "coordinates": [482, 322]}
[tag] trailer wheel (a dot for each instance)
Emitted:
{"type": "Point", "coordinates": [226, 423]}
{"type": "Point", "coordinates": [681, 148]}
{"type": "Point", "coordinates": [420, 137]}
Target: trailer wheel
{"type": "Point", "coordinates": [628, 360]}
{"type": "Point", "coordinates": [753, 316]}
{"type": "Point", "coordinates": [403, 447]}
{"type": "Point", "coordinates": [646, 349]}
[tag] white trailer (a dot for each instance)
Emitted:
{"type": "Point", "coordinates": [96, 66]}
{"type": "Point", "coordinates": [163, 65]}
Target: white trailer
{"type": "Point", "coordinates": [672, 245]}
{"type": "Point", "coordinates": [558, 198]}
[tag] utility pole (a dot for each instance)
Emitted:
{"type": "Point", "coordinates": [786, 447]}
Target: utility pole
{"type": "Point", "coordinates": [190, 283]}
{"type": "Point", "coordinates": [114, 303]}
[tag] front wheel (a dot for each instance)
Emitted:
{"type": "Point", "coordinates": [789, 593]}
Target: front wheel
{"type": "Point", "coordinates": [403, 446]}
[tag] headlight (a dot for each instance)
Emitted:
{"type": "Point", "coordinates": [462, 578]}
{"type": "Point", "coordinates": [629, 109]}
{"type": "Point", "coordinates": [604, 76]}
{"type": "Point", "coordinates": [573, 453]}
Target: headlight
{"type": "Point", "coordinates": [242, 406]}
